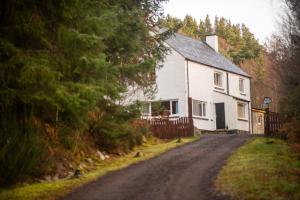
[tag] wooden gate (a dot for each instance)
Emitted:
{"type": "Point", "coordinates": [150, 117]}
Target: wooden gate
{"type": "Point", "coordinates": [273, 122]}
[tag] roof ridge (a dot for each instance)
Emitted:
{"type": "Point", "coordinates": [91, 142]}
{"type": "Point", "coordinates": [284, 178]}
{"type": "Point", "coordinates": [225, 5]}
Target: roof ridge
{"type": "Point", "coordinates": [199, 51]}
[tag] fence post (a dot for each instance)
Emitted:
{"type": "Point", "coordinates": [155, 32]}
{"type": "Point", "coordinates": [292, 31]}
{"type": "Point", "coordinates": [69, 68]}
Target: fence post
{"type": "Point", "coordinates": [267, 122]}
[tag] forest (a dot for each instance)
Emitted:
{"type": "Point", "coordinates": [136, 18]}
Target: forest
{"type": "Point", "coordinates": [65, 65]}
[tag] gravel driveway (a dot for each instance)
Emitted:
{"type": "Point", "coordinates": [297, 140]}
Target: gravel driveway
{"type": "Point", "coordinates": [185, 173]}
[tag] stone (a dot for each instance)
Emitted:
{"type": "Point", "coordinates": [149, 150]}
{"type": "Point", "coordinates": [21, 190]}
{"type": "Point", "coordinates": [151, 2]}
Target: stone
{"type": "Point", "coordinates": [82, 166]}
{"type": "Point", "coordinates": [100, 155]}
{"type": "Point", "coordinates": [144, 139]}
{"type": "Point", "coordinates": [77, 173]}
{"type": "Point", "coordinates": [89, 160]}
{"type": "Point", "coordinates": [107, 156]}
{"type": "Point", "coordinates": [138, 154]}
{"type": "Point", "coordinates": [55, 177]}
{"type": "Point", "coordinates": [48, 178]}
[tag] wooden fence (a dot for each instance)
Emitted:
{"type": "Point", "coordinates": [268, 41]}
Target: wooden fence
{"type": "Point", "coordinates": [168, 129]}
{"type": "Point", "coordinates": [273, 122]}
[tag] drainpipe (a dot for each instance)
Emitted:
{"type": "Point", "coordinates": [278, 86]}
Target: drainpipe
{"type": "Point", "coordinates": [188, 85]}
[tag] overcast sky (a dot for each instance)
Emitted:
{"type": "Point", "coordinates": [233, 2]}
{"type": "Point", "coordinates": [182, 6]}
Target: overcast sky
{"type": "Point", "coordinates": [261, 16]}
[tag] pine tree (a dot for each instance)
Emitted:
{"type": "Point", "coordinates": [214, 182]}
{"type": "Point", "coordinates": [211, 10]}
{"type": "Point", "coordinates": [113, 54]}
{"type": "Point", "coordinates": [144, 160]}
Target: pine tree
{"type": "Point", "coordinates": [208, 25]}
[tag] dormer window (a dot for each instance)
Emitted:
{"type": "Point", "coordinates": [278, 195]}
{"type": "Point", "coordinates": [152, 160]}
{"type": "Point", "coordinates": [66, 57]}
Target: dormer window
{"type": "Point", "coordinates": [218, 79]}
{"type": "Point", "coordinates": [242, 85]}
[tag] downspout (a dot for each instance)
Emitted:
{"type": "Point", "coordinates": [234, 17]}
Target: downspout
{"type": "Point", "coordinates": [188, 80]}
{"type": "Point", "coordinates": [250, 111]}
{"type": "Point", "coordinates": [227, 83]}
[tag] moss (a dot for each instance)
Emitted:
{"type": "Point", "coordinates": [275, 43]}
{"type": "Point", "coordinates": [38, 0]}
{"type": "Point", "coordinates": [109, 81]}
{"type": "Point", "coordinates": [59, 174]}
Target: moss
{"type": "Point", "coordinates": [262, 169]}
{"type": "Point", "coordinates": [53, 190]}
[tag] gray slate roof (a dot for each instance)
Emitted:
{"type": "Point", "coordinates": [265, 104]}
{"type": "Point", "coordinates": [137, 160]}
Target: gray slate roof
{"type": "Point", "coordinates": [198, 51]}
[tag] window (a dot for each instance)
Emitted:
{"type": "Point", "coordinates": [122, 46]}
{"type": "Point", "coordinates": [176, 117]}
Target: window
{"type": "Point", "coordinates": [174, 107]}
{"type": "Point", "coordinates": [164, 108]}
{"type": "Point", "coordinates": [241, 85]}
{"type": "Point", "coordinates": [259, 120]}
{"type": "Point", "coordinates": [241, 111]}
{"type": "Point", "coordinates": [218, 79]}
{"type": "Point", "coordinates": [199, 108]}
{"type": "Point", "coordinates": [145, 109]}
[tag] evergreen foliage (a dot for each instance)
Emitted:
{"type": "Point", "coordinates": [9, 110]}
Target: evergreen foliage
{"type": "Point", "coordinates": [60, 60]}
{"type": "Point", "coordinates": [241, 43]}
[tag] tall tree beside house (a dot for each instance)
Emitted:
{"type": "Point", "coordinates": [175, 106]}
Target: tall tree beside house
{"type": "Point", "coordinates": [287, 52]}
{"type": "Point", "coordinates": [59, 61]}
{"type": "Point", "coordinates": [208, 25]}
{"type": "Point", "coordinates": [189, 26]}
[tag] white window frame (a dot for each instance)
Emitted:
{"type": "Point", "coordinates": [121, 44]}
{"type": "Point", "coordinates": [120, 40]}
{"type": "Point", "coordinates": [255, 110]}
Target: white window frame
{"type": "Point", "coordinates": [218, 79]}
{"type": "Point", "coordinates": [143, 108]}
{"type": "Point", "coordinates": [202, 106]}
{"type": "Point", "coordinates": [171, 106]}
{"type": "Point", "coordinates": [242, 85]}
{"type": "Point", "coordinates": [244, 117]}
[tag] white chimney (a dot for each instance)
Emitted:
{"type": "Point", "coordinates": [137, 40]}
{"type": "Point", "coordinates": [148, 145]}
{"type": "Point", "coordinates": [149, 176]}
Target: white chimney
{"type": "Point", "coordinates": [212, 41]}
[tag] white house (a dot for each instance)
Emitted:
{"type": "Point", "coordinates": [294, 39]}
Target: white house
{"type": "Point", "coordinates": [219, 89]}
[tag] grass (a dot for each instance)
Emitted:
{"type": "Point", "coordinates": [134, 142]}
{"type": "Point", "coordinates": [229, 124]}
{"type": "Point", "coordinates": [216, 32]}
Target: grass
{"type": "Point", "coordinates": [56, 189]}
{"type": "Point", "coordinates": [264, 168]}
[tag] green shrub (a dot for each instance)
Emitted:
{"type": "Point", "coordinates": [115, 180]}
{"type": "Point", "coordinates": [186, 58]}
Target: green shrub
{"type": "Point", "coordinates": [112, 135]}
{"type": "Point", "coordinates": [22, 153]}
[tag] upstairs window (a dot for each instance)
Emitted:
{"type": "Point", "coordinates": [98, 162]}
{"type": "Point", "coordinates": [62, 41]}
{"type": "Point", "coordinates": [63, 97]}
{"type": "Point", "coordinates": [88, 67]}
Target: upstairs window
{"type": "Point", "coordinates": [199, 108]}
{"type": "Point", "coordinates": [218, 79]}
{"type": "Point", "coordinates": [241, 108]}
{"type": "Point", "coordinates": [242, 85]}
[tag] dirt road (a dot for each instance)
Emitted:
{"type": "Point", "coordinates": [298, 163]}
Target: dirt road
{"type": "Point", "coordinates": [185, 173]}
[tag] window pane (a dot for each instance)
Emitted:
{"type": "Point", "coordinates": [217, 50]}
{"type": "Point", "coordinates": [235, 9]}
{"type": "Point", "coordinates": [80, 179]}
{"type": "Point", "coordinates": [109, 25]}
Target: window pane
{"type": "Point", "coordinates": [145, 108]}
{"type": "Point", "coordinates": [174, 107]}
{"type": "Point", "coordinates": [204, 109]}
{"type": "Point", "coordinates": [195, 108]}
{"type": "Point", "coordinates": [241, 85]}
{"type": "Point", "coordinates": [200, 110]}
{"type": "Point", "coordinates": [218, 79]}
{"type": "Point", "coordinates": [241, 110]}
{"type": "Point", "coordinates": [166, 107]}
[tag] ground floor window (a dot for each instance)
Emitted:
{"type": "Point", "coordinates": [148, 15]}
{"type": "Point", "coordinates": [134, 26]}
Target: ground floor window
{"type": "Point", "coordinates": [164, 108]}
{"type": "Point", "coordinates": [199, 108]}
{"type": "Point", "coordinates": [241, 110]}
{"type": "Point", "coordinates": [145, 108]}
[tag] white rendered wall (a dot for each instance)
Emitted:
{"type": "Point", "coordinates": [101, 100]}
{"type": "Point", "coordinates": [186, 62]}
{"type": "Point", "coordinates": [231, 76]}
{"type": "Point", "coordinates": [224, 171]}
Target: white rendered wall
{"type": "Point", "coordinates": [234, 86]}
{"type": "Point", "coordinates": [201, 87]}
{"type": "Point", "coordinates": [171, 81]}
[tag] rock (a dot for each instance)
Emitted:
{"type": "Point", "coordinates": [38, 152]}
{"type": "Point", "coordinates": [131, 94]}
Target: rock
{"type": "Point", "coordinates": [179, 140]}
{"type": "Point", "coordinates": [120, 154]}
{"type": "Point", "coordinates": [77, 173]}
{"type": "Point", "coordinates": [138, 154]}
{"type": "Point", "coordinates": [144, 139]}
{"type": "Point", "coordinates": [89, 160]}
{"type": "Point", "coordinates": [82, 166]}
{"type": "Point", "coordinates": [70, 174]}
{"type": "Point", "coordinates": [47, 178]}
{"type": "Point", "coordinates": [107, 156]}
{"type": "Point", "coordinates": [100, 155]}
{"type": "Point", "coordinates": [55, 177]}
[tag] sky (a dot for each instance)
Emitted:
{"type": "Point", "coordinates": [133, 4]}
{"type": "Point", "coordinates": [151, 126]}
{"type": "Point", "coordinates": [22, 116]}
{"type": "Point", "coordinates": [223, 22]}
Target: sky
{"type": "Point", "coordinates": [260, 16]}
